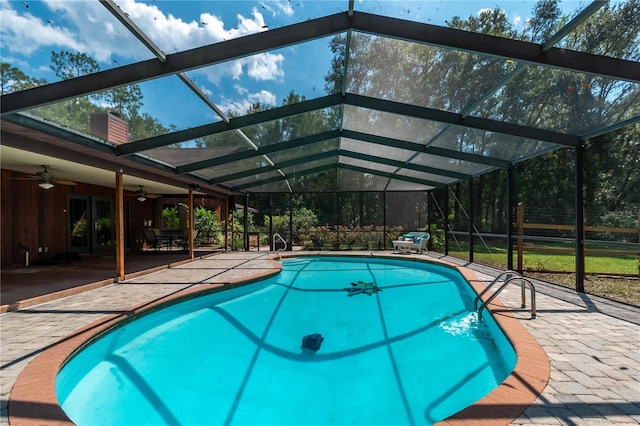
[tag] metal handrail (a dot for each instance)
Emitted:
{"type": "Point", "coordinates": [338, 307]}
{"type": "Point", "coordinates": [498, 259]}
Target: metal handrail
{"type": "Point", "coordinates": [508, 281]}
{"type": "Point", "coordinates": [281, 239]}
{"type": "Point", "coordinates": [505, 273]}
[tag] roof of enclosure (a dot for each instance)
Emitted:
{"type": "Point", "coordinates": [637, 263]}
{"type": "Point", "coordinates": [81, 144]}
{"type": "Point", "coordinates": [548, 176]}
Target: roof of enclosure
{"type": "Point", "coordinates": [413, 103]}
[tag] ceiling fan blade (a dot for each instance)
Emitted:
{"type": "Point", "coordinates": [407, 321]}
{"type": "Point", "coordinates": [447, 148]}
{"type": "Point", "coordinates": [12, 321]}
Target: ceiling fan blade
{"type": "Point", "coordinates": [65, 182]}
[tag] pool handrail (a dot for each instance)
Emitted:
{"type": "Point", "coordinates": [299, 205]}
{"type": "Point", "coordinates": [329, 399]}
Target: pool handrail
{"type": "Point", "coordinates": [522, 280]}
{"type": "Point", "coordinates": [508, 273]}
{"type": "Point", "coordinates": [276, 235]}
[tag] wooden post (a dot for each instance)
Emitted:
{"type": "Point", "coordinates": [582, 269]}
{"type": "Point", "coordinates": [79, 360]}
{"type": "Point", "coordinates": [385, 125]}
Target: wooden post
{"type": "Point", "coordinates": [520, 224]}
{"type": "Point", "coordinates": [245, 235]}
{"type": "Point", "coordinates": [191, 225]}
{"type": "Point", "coordinates": [227, 221]}
{"type": "Point", "coordinates": [119, 227]}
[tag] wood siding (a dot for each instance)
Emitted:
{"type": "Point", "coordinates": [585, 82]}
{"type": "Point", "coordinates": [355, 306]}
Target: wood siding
{"type": "Point", "coordinates": [36, 218]}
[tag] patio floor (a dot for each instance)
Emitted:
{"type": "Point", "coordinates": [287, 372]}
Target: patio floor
{"type": "Point", "coordinates": [24, 286]}
{"type": "Point", "coordinates": [593, 344]}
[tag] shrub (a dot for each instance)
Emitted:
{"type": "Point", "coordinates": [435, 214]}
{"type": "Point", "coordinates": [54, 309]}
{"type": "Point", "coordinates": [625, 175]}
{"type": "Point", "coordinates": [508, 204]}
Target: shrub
{"type": "Point", "coordinates": [209, 229]}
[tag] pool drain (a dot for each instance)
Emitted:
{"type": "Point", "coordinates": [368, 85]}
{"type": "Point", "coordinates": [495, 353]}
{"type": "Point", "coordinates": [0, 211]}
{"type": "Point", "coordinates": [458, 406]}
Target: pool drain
{"type": "Point", "coordinates": [312, 341]}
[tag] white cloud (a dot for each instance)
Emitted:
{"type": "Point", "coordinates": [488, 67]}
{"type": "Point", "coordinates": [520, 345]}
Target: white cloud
{"type": "Point", "coordinates": [95, 31]}
{"type": "Point", "coordinates": [25, 33]}
{"type": "Point", "coordinates": [267, 7]}
{"type": "Point", "coordinates": [260, 67]}
{"type": "Point", "coordinates": [517, 20]}
{"type": "Point", "coordinates": [241, 106]}
{"type": "Point", "coordinates": [88, 27]}
{"type": "Point", "coordinates": [265, 66]}
{"type": "Point", "coordinates": [241, 90]}
{"type": "Point", "coordinates": [285, 7]}
{"type": "Point", "coordinates": [173, 34]}
{"type": "Point", "coordinates": [206, 91]}
{"type": "Point", "coordinates": [264, 97]}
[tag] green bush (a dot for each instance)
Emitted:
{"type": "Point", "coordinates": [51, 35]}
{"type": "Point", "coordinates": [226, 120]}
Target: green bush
{"type": "Point", "coordinates": [209, 229]}
{"type": "Point", "coordinates": [303, 219]}
{"type": "Point", "coordinates": [170, 217]}
{"type": "Point", "coordinates": [237, 236]}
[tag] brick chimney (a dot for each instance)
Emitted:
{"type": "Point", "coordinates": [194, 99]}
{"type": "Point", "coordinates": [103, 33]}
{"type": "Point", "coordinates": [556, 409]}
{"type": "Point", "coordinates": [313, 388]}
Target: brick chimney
{"type": "Point", "coordinates": [110, 127]}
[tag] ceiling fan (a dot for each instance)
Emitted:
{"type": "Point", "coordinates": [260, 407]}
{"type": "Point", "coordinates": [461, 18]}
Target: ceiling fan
{"type": "Point", "coordinates": [142, 195]}
{"type": "Point", "coordinates": [47, 178]}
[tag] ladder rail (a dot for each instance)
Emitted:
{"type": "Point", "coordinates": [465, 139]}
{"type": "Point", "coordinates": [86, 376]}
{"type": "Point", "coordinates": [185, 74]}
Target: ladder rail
{"type": "Point", "coordinates": [498, 278]}
{"type": "Point", "coordinates": [523, 280]}
{"type": "Point", "coordinates": [281, 239]}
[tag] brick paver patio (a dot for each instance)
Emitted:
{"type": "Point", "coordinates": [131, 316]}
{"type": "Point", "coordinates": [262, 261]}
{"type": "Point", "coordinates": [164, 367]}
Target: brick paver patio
{"type": "Point", "coordinates": [593, 344]}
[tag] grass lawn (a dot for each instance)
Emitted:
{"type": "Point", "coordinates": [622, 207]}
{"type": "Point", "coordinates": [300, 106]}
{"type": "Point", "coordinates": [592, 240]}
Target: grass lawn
{"type": "Point", "coordinates": [614, 277]}
{"type": "Point", "coordinates": [558, 262]}
{"type": "Point", "coordinates": [622, 289]}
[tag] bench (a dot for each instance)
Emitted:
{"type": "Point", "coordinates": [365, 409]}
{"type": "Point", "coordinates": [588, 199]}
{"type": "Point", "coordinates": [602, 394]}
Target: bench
{"type": "Point", "coordinates": [411, 241]}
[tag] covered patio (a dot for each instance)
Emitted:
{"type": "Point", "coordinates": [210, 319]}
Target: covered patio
{"type": "Point", "coordinates": [381, 126]}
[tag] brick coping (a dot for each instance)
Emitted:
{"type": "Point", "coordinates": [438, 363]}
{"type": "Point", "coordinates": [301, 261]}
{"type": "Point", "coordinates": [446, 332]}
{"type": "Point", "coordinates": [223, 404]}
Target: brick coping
{"type": "Point", "coordinates": [33, 399]}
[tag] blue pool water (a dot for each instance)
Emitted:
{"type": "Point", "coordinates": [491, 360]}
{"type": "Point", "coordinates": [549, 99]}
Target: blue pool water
{"type": "Point", "coordinates": [411, 353]}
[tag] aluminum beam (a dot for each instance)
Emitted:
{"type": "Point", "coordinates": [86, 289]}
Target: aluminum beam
{"type": "Point", "coordinates": [392, 176]}
{"type": "Point", "coordinates": [316, 28]}
{"type": "Point", "coordinates": [403, 165]}
{"type": "Point", "coordinates": [281, 178]}
{"type": "Point", "coordinates": [354, 100]}
{"type": "Point", "coordinates": [177, 62]}
{"type": "Point", "coordinates": [497, 46]}
{"type": "Point", "coordinates": [457, 119]}
{"type": "Point", "coordinates": [279, 166]}
{"type": "Point", "coordinates": [441, 152]}
{"type": "Point", "coordinates": [233, 124]}
{"type": "Point", "coordinates": [237, 156]}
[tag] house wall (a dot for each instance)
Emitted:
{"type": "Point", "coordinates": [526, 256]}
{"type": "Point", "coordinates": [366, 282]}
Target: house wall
{"type": "Point", "coordinates": [37, 218]}
{"type": "Point", "coordinates": [34, 217]}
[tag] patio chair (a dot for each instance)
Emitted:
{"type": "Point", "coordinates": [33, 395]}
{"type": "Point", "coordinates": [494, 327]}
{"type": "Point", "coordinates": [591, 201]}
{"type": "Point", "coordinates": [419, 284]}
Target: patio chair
{"type": "Point", "coordinates": [185, 241]}
{"type": "Point", "coordinates": [152, 237]}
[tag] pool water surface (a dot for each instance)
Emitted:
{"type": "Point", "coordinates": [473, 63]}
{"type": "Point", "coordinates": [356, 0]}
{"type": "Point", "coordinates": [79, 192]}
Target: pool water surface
{"type": "Point", "coordinates": [401, 345]}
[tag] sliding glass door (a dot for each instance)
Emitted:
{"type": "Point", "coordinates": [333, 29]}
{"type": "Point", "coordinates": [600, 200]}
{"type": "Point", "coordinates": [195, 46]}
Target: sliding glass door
{"type": "Point", "coordinates": [78, 214]}
{"type": "Point", "coordinates": [104, 225]}
{"type": "Point", "coordinates": [91, 224]}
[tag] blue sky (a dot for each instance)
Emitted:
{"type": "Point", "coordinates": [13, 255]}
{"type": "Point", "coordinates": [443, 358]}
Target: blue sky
{"type": "Point", "coordinates": [30, 30]}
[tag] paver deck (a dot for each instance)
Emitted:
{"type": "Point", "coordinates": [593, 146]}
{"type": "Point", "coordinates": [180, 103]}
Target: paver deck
{"type": "Point", "coordinates": [593, 344]}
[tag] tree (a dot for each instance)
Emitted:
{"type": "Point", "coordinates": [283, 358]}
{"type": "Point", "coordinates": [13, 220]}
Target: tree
{"type": "Point", "coordinates": [546, 19]}
{"type": "Point", "coordinates": [125, 101]}
{"type": "Point", "coordinates": [67, 65]}
{"type": "Point", "coordinates": [75, 113]}
{"type": "Point", "coordinates": [13, 79]}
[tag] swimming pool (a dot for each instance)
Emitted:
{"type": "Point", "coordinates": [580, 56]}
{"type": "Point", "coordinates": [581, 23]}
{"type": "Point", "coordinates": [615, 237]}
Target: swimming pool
{"type": "Point", "coordinates": [411, 352]}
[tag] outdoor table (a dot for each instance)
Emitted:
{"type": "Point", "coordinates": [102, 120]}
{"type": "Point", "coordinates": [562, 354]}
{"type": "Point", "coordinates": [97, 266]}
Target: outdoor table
{"type": "Point", "coordinates": [402, 246]}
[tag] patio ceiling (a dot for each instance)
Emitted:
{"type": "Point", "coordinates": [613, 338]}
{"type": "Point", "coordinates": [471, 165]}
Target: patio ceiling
{"type": "Point", "coordinates": [381, 127]}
